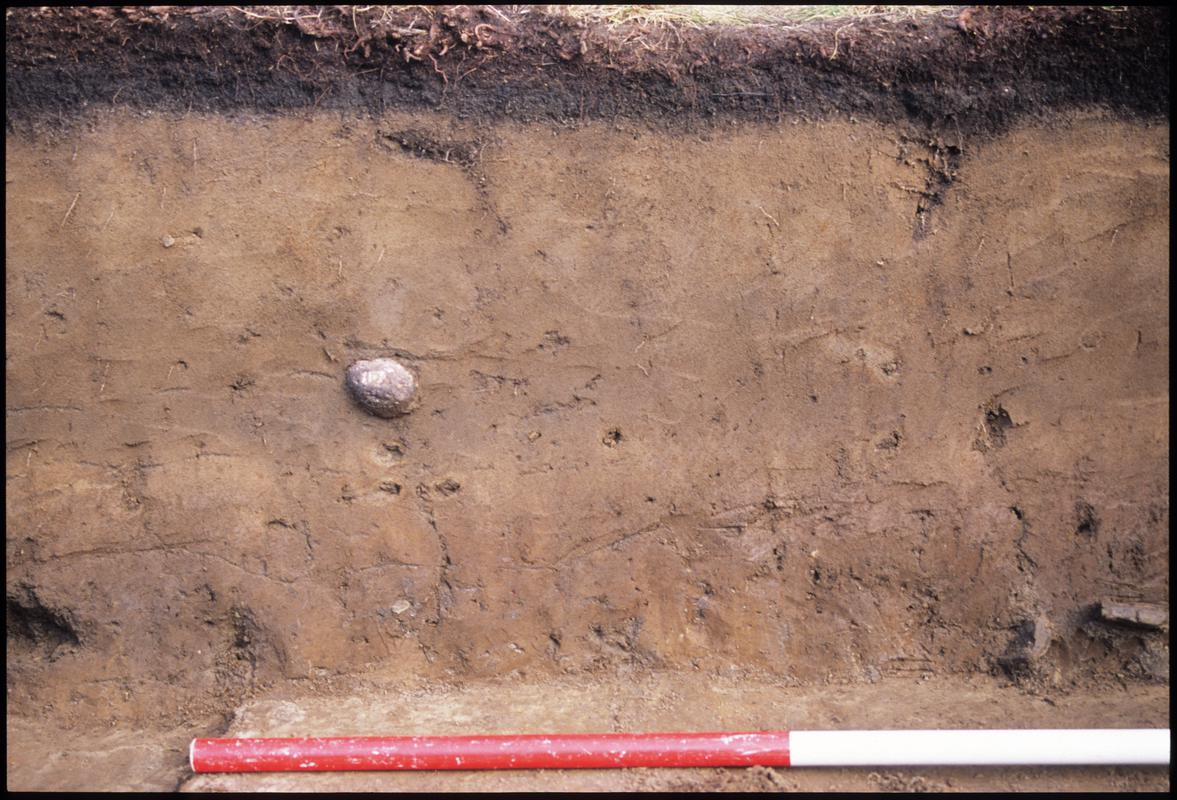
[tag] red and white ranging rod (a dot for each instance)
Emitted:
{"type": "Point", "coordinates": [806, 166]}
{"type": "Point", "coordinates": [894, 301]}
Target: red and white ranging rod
{"type": "Point", "coordinates": [619, 750]}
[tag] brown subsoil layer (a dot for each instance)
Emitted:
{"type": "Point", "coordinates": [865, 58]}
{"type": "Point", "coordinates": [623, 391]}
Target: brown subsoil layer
{"type": "Point", "coordinates": [824, 401]}
{"type": "Point", "coordinates": [971, 70]}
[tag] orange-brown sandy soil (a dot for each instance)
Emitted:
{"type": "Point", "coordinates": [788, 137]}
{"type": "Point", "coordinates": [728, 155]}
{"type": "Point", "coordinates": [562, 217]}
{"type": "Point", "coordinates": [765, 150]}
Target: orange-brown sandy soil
{"type": "Point", "coordinates": [844, 411]}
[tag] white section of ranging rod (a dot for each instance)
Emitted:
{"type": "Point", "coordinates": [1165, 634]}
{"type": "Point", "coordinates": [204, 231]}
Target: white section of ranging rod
{"type": "Point", "coordinates": [977, 748]}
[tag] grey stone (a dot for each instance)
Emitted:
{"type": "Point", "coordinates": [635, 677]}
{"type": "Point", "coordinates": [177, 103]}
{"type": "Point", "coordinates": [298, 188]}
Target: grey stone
{"type": "Point", "coordinates": [1142, 615]}
{"type": "Point", "coordinates": [382, 386]}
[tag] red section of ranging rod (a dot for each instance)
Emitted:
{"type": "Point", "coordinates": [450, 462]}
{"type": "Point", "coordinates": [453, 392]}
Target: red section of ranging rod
{"type": "Point", "coordinates": [532, 751]}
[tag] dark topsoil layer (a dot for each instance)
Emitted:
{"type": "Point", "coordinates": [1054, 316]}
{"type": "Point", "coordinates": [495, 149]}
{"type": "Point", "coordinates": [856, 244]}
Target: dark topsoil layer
{"type": "Point", "coordinates": [974, 70]}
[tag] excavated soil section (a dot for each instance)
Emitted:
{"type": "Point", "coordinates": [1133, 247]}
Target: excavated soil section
{"type": "Point", "coordinates": [970, 69]}
{"type": "Point", "coordinates": [822, 400]}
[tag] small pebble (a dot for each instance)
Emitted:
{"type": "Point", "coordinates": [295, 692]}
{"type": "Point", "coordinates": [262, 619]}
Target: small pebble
{"type": "Point", "coordinates": [382, 387]}
{"type": "Point", "coordinates": [167, 241]}
{"type": "Point", "coordinates": [401, 606]}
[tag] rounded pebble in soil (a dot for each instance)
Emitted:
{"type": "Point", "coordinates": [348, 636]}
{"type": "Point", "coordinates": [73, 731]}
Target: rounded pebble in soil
{"type": "Point", "coordinates": [382, 386]}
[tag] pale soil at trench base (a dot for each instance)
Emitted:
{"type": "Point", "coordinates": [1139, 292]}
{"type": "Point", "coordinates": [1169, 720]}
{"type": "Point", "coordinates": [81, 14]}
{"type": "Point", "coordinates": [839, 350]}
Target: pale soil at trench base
{"type": "Point", "coordinates": [157, 759]}
{"type": "Point", "coordinates": [690, 399]}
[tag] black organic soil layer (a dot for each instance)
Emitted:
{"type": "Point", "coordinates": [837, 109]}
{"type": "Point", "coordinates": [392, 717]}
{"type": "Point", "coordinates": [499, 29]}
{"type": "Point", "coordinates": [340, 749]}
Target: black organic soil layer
{"type": "Point", "coordinates": [973, 69]}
